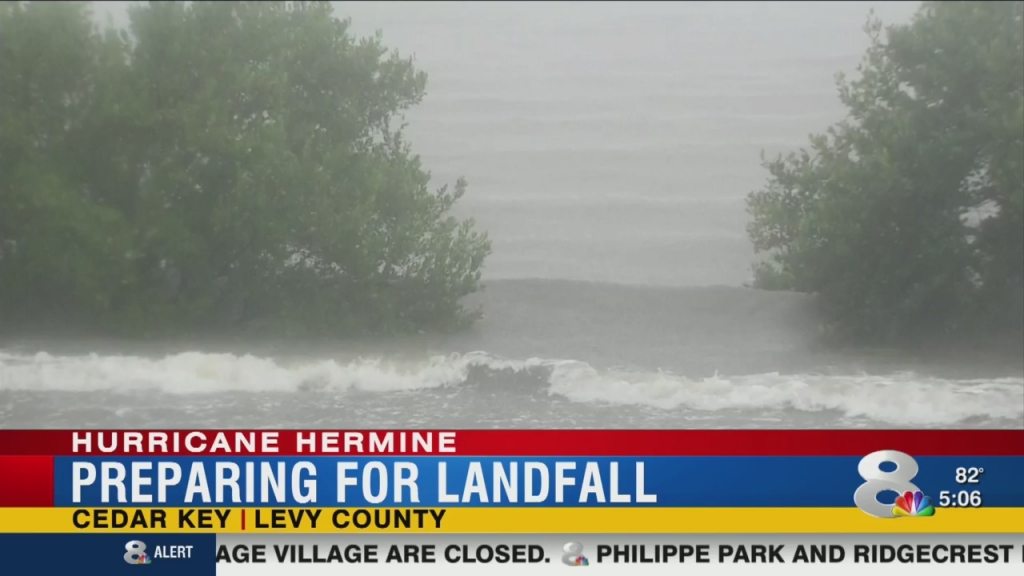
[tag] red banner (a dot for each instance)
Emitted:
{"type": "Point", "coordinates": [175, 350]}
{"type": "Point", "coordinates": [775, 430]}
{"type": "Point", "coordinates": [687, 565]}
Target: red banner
{"type": "Point", "coordinates": [509, 442]}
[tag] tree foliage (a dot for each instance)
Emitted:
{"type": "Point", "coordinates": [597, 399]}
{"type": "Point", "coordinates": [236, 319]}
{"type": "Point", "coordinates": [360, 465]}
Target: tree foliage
{"type": "Point", "coordinates": [907, 218]}
{"type": "Point", "coordinates": [218, 165]}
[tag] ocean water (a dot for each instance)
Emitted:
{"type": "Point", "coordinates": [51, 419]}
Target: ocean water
{"type": "Point", "coordinates": [608, 148]}
{"type": "Point", "coordinates": [549, 354]}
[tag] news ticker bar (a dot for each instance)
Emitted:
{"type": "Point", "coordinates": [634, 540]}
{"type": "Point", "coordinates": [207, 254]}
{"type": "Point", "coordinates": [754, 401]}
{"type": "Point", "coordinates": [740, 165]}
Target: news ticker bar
{"type": "Point", "coordinates": [541, 554]}
{"type": "Point", "coordinates": [666, 481]}
{"type": "Point", "coordinates": [502, 521]}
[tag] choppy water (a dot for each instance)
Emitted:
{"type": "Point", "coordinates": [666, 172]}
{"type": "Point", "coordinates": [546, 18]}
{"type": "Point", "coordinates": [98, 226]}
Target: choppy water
{"type": "Point", "coordinates": [610, 143]}
{"type": "Point", "coordinates": [550, 354]}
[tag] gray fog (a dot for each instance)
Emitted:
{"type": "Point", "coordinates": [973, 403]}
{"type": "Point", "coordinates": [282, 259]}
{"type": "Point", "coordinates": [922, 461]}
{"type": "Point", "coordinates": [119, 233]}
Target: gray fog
{"type": "Point", "coordinates": [616, 141]}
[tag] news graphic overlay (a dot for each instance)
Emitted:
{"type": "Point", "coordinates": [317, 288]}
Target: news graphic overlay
{"type": "Point", "coordinates": [116, 554]}
{"type": "Point", "coordinates": [617, 554]}
{"type": "Point", "coordinates": [392, 482]}
{"type": "Point", "coordinates": [572, 555]}
{"type": "Point", "coordinates": [135, 553]}
{"type": "Point", "coordinates": [910, 501]}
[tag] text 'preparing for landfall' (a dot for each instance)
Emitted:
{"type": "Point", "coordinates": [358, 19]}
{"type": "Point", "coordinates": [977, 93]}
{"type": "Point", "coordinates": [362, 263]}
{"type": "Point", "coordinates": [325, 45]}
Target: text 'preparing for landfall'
{"type": "Point", "coordinates": [370, 482]}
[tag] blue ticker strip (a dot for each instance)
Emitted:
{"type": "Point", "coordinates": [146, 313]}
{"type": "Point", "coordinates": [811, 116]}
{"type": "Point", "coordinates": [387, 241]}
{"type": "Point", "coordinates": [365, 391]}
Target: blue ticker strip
{"type": "Point", "coordinates": [726, 481]}
{"type": "Point", "coordinates": [109, 554]}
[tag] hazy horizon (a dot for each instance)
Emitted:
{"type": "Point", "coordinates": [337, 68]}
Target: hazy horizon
{"type": "Point", "coordinates": [610, 141]}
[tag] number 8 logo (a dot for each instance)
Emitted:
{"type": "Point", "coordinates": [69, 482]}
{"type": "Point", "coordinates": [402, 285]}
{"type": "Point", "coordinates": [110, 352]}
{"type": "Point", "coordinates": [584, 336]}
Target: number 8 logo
{"type": "Point", "coordinates": [133, 550]}
{"type": "Point", "coordinates": [878, 481]}
{"type": "Point", "coordinates": [572, 552]}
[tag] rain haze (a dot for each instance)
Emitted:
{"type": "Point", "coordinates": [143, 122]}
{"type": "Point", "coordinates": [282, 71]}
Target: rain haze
{"type": "Point", "coordinates": [609, 149]}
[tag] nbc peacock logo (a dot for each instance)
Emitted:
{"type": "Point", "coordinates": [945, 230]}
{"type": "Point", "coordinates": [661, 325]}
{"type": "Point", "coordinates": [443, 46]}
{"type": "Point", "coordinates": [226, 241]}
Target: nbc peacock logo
{"type": "Point", "coordinates": [913, 504]}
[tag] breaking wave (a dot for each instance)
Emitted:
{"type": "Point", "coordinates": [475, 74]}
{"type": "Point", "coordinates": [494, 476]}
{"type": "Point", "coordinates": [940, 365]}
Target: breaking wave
{"type": "Point", "coordinates": [904, 399]}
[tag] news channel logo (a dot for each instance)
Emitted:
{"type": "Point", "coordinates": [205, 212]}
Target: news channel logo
{"type": "Point", "coordinates": [135, 553]}
{"type": "Point", "coordinates": [910, 501]}
{"type": "Point", "coordinates": [572, 555]}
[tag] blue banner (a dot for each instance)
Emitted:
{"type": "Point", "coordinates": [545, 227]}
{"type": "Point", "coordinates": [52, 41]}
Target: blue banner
{"type": "Point", "coordinates": [769, 481]}
{"type": "Point", "coordinates": [109, 554]}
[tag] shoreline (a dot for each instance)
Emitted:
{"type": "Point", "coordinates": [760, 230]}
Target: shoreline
{"type": "Point", "coordinates": [592, 321]}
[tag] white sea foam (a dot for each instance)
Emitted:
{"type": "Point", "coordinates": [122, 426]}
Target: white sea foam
{"type": "Point", "coordinates": [903, 399]}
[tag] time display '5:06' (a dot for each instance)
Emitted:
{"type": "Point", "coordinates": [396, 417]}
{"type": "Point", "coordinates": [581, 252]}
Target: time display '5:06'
{"type": "Point", "coordinates": [960, 499]}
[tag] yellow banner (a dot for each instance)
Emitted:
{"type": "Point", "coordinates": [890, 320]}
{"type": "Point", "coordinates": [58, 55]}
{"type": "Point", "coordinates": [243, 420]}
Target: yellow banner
{"type": "Point", "coordinates": [505, 520]}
